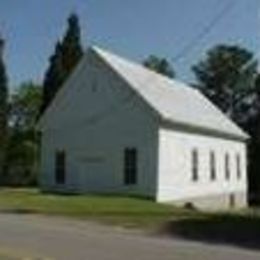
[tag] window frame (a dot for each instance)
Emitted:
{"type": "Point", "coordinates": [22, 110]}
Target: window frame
{"type": "Point", "coordinates": [195, 164]}
{"type": "Point", "coordinates": [238, 166]}
{"type": "Point", "coordinates": [130, 166]}
{"type": "Point", "coordinates": [60, 167]}
{"type": "Point", "coordinates": [212, 162]}
{"type": "Point", "coordinates": [227, 166]}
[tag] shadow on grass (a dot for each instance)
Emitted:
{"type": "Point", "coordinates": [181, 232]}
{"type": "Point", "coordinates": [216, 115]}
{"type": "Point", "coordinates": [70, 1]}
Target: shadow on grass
{"type": "Point", "coordinates": [97, 194]}
{"type": "Point", "coordinates": [20, 211]}
{"type": "Point", "coordinates": [237, 230]}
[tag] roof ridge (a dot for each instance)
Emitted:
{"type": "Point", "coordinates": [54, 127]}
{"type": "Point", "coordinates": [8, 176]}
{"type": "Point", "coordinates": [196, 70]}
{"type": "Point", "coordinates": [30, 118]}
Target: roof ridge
{"type": "Point", "coordinates": [168, 98]}
{"type": "Point", "coordinates": [173, 81]}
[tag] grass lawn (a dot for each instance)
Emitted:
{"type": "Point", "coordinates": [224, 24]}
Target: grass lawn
{"type": "Point", "coordinates": [126, 211]}
{"type": "Point", "coordinates": [236, 228]}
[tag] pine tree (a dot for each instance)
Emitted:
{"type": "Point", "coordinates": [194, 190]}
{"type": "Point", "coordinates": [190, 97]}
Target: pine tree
{"type": "Point", "coordinates": [226, 76]}
{"type": "Point", "coordinates": [66, 56]}
{"type": "Point", "coordinates": [54, 77]}
{"type": "Point", "coordinates": [71, 45]}
{"type": "Point", "coordinates": [3, 111]}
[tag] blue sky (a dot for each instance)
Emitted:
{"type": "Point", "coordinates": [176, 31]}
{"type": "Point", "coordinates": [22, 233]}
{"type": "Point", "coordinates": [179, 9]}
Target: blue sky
{"type": "Point", "coordinates": [134, 28]}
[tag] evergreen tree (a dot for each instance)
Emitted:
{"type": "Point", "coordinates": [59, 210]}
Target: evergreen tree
{"type": "Point", "coordinates": [54, 77]}
{"type": "Point", "coordinates": [3, 112]}
{"type": "Point", "coordinates": [66, 56]}
{"type": "Point", "coordinates": [226, 76]}
{"type": "Point", "coordinates": [71, 45]}
{"type": "Point", "coordinates": [253, 128]}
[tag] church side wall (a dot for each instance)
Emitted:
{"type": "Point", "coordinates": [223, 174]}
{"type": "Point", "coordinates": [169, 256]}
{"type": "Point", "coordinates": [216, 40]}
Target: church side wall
{"type": "Point", "coordinates": [175, 181]}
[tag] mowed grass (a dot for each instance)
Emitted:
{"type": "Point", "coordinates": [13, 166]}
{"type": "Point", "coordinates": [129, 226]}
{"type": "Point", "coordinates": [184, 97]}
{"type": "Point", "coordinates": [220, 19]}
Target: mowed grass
{"type": "Point", "coordinates": [241, 228]}
{"type": "Point", "coordinates": [126, 211]}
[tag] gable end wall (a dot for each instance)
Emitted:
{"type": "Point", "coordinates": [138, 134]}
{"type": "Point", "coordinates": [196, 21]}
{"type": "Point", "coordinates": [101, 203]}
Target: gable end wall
{"type": "Point", "coordinates": [94, 119]}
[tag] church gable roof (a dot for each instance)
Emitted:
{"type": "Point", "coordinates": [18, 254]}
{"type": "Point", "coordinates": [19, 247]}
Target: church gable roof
{"type": "Point", "coordinates": [174, 101]}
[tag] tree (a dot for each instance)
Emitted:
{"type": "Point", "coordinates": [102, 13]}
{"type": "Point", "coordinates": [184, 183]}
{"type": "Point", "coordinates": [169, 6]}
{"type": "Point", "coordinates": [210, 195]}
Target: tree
{"type": "Point", "coordinates": [71, 45]}
{"type": "Point", "coordinates": [23, 144]}
{"type": "Point", "coordinates": [226, 76]}
{"type": "Point", "coordinates": [66, 56]}
{"type": "Point", "coordinates": [3, 111]}
{"type": "Point", "coordinates": [24, 107]}
{"type": "Point", "coordinates": [159, 65]}
{"type": "Point", "coordinates": [54, 77]}
{"type": "Point", "coordinates": [253, 128]}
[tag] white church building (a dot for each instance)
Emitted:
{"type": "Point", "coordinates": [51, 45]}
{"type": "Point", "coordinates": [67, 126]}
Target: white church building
{"type": "Point", "coordinates": [117, 127]}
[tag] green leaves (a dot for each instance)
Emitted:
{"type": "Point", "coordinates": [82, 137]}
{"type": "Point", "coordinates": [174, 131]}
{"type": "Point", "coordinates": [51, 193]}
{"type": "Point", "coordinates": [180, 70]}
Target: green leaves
{"type": "Point", "coordinates": [23, 141]}
{"type": "Point", "coordinates": [24, 106]}
{"type": "Point", "coordinates": [159, 65]}
{"type": "Point", "coordinates": [226, 76]}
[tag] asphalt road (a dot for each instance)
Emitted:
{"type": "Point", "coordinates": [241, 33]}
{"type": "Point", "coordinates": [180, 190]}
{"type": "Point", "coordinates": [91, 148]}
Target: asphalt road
{"type": "Point", "coordinates": [38, 237]}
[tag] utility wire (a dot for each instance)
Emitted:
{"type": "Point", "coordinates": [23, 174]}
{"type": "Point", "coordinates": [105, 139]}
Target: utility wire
{"type": "Point", "coordinates": [206, 30]}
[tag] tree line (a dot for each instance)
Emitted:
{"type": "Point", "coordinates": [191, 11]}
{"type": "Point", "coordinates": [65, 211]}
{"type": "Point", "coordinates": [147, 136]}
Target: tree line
{"type": "Point", "coordinates": [227, 75]}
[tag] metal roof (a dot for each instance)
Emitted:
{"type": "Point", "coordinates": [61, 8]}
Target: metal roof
{"type": "Point", "coordinates": [174, 101]}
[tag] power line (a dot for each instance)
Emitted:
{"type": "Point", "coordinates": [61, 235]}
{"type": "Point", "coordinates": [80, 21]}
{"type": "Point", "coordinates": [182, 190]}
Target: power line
{"type": "Point", "coordinates": [206, 30]}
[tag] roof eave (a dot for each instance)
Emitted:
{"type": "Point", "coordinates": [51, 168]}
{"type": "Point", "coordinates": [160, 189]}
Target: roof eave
{"type": "Point", "coordinates": [180, 126]}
